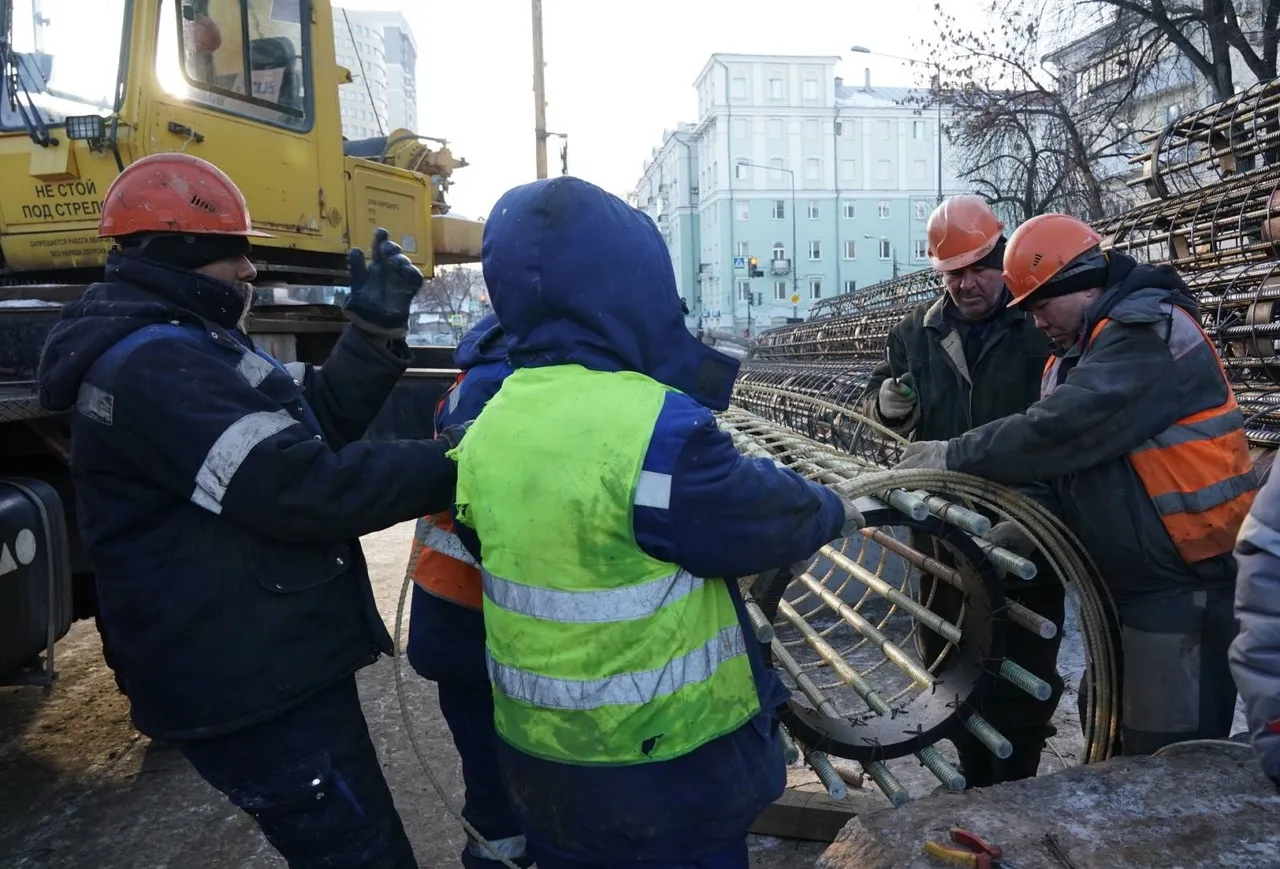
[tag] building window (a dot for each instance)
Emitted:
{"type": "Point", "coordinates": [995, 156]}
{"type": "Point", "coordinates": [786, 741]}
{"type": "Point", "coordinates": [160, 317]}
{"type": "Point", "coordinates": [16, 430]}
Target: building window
{"type": "Point", "coordinates": [779, 209]}
{"type": "Point", "coordinates": [779, 252]}
{"type": "Point", "coordinates": [850, 211]}
{"type": "Point", "coordinates": [815, 251]}
{"type": "Point", "coordinates": [1172, 112]}
{"type": "Point", "coordinates": [780, 290]}
{"type": "Point", "coordinates": [815, 288]}
{"type": "Point", "coordinates": [811, 130]}
{"type": "Point", "coordinates": [775, 89]}
{"type": "Point", "coordinates": [884, 170]}
{"type": "Point", "coordinates": [848, 130]}
{"type": "Point", "coordinates": [886, 249]}
{"type": "Point", "coordinates": [850, 286]}
{"type": "Point", "coordinates": [917, 130]}
{"type": "Point", "coordinates": [918, 169]}
{"type": "Point", "coordinates": [813, 209]}
{"type": "Point", "coordinates": [921, 209]}
{"type": "Point", "coordinates": [813, 170]}
{"type": "Point", "coordinates": [740, 128]}
{"type": "Point", "coordinates": [775, 128]}
{"type": "Point", "coordinates": [744, 210]}
{"type": "Point", "coordinates": [882, 129]}
{"type": "Point", "coordinates": [775, 169]}
{"type": "Point", "coordinates": [848, 170]}
{"type": "Point", "coordinates": [850, 249]}
{"type": "Point", "coordinates": [744, 290]}
{"type": "Point", "coordinates": [811, 88]}
{"type": "Point", "coordinates": [883, 209]}
{"type": "Point", "coordinates": [922, 249]}
{"type": "Point", "coordinates": [741, 249]}
{"type": "Point", "coordinates": [739, 88]}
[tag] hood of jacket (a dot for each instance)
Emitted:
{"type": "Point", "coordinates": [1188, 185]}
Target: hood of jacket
{"type": "Point", "coordinates": [136, 293]}
{"type": "Point", "coordinates": [1136, 291]}
{"type": "Point", "coordinates": [577, 276]}
{"type": "Point", "coordinates": [486, 341]}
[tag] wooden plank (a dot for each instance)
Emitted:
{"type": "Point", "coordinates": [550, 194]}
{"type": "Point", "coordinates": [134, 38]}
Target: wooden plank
{"type": "Point", "coordinates": [804, 814]}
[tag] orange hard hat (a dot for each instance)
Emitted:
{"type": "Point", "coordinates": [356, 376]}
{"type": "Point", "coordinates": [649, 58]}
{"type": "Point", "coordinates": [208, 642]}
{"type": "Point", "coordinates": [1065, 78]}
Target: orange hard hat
{"type": "Point", "coordinates": [1041, 248]}
{"type": "Point", "coordinates": [175, 192]}
{"type": "Point", "coordinates": [962, 230]}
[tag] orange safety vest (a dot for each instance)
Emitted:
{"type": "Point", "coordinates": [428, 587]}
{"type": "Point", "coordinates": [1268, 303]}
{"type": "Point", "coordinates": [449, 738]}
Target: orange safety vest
{"type": "Point", "coordinates": [1189, 469]}
{"type": "Point", "coordinates": [442, 565]}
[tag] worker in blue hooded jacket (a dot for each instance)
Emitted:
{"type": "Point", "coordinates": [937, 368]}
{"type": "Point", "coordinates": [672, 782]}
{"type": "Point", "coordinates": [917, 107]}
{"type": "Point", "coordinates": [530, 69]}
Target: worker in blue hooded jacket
{"type": "Point", "coordinates": [446, 629]}
{"type": "Point", "coordinates": [636, 719]}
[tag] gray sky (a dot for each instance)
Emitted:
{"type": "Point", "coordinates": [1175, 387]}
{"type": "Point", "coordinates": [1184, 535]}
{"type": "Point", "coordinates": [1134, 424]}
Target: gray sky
{"type": "Point", "coordinates": [618, 72]}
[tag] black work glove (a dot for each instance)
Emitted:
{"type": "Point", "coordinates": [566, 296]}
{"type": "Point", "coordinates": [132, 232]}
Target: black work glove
{"type": "Point", "coordinates": [381, 293]}
{"type": "Point", "coordinates": [452, 434]}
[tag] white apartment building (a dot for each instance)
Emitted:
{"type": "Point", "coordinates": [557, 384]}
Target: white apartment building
{"type": "Point", "coordinates": [828, 185]}
{"type": "Point", "coordinates": [380, 50]}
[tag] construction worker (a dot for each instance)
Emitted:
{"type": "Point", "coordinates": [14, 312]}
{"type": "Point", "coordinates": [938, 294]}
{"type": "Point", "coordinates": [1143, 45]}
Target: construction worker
{"type": "Point", "coordinates": [636, 718]}
{"type": "Point", "coordinates": [221, 497]}
{"type": "Point", "coordinates": [960, 361]}
{"type": "Point", "coordinates": [1138, 444]}
{"type": "Point", "coordinates": [1255, 653]}
{"type": "Point", "coordinates": [446, 629]}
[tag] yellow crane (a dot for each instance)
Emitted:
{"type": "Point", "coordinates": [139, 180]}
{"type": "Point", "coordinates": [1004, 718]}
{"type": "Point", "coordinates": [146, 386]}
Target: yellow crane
{"type": "Point", "coordinates": [89, 86]}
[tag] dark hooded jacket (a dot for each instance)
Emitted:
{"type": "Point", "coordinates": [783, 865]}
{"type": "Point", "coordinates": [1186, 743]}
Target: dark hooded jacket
{"type": "Point", "coordinates": [578, 277]}
{"type": "Point", "coordinates": [446, 640]}
{"type": "Point", "coordinates": [221, 496]}
{"type": "Point", "coordinates": [1071, 449]}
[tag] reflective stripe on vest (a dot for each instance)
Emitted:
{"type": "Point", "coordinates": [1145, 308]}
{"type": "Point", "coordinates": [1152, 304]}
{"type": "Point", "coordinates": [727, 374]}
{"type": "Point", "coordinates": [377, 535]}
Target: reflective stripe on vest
{"type": "Point", "coordinates": [1197, 472]}
{"type": "Point", "coordinates": [598, 652]}
{"type": "Point", "coordinates": [444, 567]}
{"type": "Point", "coordinates": [510, 848]}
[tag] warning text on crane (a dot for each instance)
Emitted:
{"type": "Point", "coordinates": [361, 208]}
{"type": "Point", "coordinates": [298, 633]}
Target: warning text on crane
{"type": "Point", "coordinates": [70, 200]}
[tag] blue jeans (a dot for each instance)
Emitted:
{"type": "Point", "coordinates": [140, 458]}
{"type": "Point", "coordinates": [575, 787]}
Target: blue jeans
{"type": "Point", "coordinates": [732, 857]}
{"type": "Point", "coordinates": [312, 781]}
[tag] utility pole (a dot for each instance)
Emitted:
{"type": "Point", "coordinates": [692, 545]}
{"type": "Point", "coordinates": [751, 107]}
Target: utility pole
{"type": "Point", "coordinates": [539, 92]}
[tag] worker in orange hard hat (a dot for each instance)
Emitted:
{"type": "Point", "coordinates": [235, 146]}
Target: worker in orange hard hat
{"type": "Point", "coordinates": [1138, 444]}
{"type": "Point", "coordinates": [960, 361]}
{"type": "Point", "coordinates": [222, 496]}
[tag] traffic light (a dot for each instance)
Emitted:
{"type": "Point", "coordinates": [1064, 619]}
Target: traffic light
{"type": "Point", "coordinates": [759, 299]}
{"type": "Point", "coordinates": [753, 268]}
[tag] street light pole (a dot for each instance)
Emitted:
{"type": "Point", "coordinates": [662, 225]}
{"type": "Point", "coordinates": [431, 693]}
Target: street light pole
{"type": "Point", "coordinates": [937, 99]}
{"type": "Point", "coordinates": [539, 94]}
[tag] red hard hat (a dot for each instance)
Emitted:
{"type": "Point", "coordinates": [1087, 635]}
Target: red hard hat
{"type": "Point", "coordinates": [175, 192]}
{"type": "Point", "coordinates": [961, 231]}
{"type": "Point", "coordinates": [1042, 247]}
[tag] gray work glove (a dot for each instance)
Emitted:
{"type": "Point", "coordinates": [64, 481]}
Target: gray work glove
{"type": "Point", "coordinates": [897, 397]}
{"type": "Point", "coordinates": [853, 519]}
{"type": "Point", "coordinates": [1013, 537]}
{"type": "Point", "coordinates": [924, 455]}
{"type": "Point", "coordinates": [382, 292]}
{"type": "Point", "coordinates": [453, 434]}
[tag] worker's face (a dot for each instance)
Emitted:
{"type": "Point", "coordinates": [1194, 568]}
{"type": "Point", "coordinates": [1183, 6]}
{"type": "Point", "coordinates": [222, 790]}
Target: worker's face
{"type": "Point", "coordinates": [237, 271]}
{"type": "Point", "coordinates": [975, 290]}
{"type": "Point", "coordinates": [1062, 317]}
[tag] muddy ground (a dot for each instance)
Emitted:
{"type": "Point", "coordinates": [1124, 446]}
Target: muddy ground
{"type": "Point", "coordinates": [79, 787]}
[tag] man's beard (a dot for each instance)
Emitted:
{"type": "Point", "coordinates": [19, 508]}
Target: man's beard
{"type": "Point", "coordinates": [246, 291]}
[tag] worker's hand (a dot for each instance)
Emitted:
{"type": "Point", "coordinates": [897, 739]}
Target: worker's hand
{"type": "Point", "coordinates": [1013, 537]}
{"type": "Point", "coordinates": [924, 455]}
{"type": "Point", "coordinates": [853, 519]}
{"type": "Point", "coordinates": [897, 397]}
{"type": "Point", "coordinates": [453, 434]}
{"type": "Point", "coordinates": [382, 292]}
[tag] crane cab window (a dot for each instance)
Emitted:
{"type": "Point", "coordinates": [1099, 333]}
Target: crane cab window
{"type": "Point", "coordinates": [245, 57]}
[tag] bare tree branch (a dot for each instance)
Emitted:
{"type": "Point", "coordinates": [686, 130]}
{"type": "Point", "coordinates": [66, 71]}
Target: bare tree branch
{"type": "Point", "coordinates": [447, 294]}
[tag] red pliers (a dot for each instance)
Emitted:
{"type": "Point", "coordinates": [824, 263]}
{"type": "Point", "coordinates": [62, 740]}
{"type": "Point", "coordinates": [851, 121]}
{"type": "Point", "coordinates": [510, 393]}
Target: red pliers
{"type": "Point", "coordinates": [972, 851]}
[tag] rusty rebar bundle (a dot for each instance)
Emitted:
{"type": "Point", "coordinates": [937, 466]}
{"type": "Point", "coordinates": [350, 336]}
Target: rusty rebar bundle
{"type": "Point", "coordinates": [849, 628]}
{"type": "Point", "coordinates": [1212, 144]}
{"type": "Point", "coordinates": [908, 290]}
